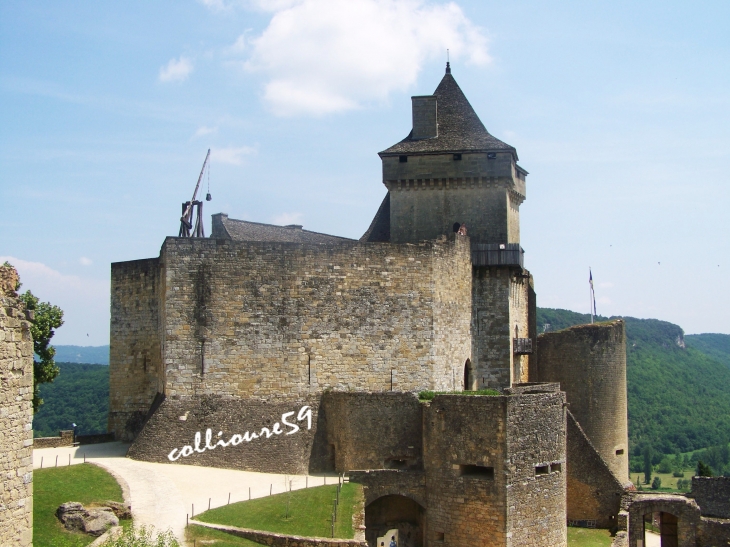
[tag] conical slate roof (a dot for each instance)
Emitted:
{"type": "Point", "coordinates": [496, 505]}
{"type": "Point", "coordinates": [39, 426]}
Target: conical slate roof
{"type": "Point", "coordinates": [459, 127]}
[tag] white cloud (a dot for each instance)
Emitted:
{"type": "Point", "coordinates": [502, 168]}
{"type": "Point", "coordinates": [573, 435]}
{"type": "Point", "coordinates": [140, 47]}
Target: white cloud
{"type": "Point", "coordinates": [84, 300]}
{"type": "Point", "coordinates": [231, 155]}
{"type": "Point", "coordinates": [85, 261]}
{"type": "Point", "coordinates": [284, 219]}
{"type": "Point", "coordinates": [324, 56]}
{"type": "Point", "coordinates": [176, 70]}
{"type": "Point", "coordinates": [204, 130]}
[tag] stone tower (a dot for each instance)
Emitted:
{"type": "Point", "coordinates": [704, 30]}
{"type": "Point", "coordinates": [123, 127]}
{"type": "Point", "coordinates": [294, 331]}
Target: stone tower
{"type": "Point", "coordinates": [448, 172]}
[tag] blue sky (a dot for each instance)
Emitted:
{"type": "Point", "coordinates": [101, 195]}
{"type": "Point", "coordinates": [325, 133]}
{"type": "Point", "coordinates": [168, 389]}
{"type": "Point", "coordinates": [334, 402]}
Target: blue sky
{"type": "Point", "coordinates": [620, 111]}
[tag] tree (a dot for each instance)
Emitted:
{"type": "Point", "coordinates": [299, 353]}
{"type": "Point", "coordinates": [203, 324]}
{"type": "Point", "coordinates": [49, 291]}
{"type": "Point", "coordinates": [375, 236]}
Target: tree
{"type": "Point", "coordinates": [656, 484]}
{"type": "Point", "coordinates": [648, 453]}
{"type": "Point", "coordinates": [46, 318]}
{"type": "Point", "coordinates": [703, 470]}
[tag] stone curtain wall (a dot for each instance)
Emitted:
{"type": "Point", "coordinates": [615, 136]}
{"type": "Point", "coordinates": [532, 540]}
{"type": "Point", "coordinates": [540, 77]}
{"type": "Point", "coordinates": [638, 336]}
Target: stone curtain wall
{"type": "Point", "coordinates": [263, 319]}
{"type": "Point", "coordinates": [176, 421]}
{"type": "Point", "coordinates": [712, 494]}
{"type": "Point", "coordinates": [536, 496]}
{"type": "Point", "coordinates": [589, 361]}
{"type": "Point", "coordinates": [16, 416]}
{"type": "Point", "coordinates": [135, 371]}
{"type": "Point", "coordinates": [594, 492]}
{"type": "Point", "coordinates": [429, 193]}
{"type": "Point", "coordinates": [65, 438]}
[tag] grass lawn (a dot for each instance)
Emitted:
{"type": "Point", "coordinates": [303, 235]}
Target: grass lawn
{"type": "Point", "coordinates": [84, 483]}
{"type": "Point", "coordinates": [669, 482]}
{"type": "Point", "coordinates": [587, 537]}
{"type": "Point", "coordinates": [310, 512]}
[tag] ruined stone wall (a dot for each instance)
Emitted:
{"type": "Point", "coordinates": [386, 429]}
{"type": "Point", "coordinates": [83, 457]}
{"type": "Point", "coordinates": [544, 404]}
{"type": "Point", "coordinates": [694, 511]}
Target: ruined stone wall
{"type": "Point", "coordinates": [177, 421]}
{"type": "Point", "coordinates": [536, 451]}
{"type": "Point", "coordinates": [263, 319]}
{"type": "Point", "coordinates": [135, 353]}
{"type": "Point", "coordinates": [492, 330]}
{"type": "Point", "coordinates": [430, 192]}
{"type": "Point", "coordinates": [589, 361]}
{"type": "Point", "coordinates": [594, 492]}
{"type": "Point", "coordinates": [374, 430]}
{"type": "Point", "coordinates": [712, 494]}
{"type": "Point", "coordinates": [16, 416]}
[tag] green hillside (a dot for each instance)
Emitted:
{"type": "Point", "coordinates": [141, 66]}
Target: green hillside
{"type": "Point", "coordinates": [80, 394]}
{"type": "Point", "coordinates": [97, 355]}
{"type": "Point", "coordinates": [679, 397]}
{"type": "Point", "coordinates": [716, 346]}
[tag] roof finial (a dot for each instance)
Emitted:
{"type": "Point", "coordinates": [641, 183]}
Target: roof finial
{"type": "Point", "coordinates": [448, 67]}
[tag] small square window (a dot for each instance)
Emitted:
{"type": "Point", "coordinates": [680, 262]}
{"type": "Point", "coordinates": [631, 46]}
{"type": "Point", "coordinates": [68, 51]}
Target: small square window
{"type": "Point", "coordinates": [491, 156]}
{"type": "Point", "coordinates": [403, 159]}
{"type": "Point", "coordinates": [555, 468]}
{"type": "Point", "coordinates": [457, 157]}
{"type": "Point", "coordinates": [439, 536]}
{"type": "Point", "coordinates": [620, 452]}
{"type": "Point", "coordinates": [542, 470]}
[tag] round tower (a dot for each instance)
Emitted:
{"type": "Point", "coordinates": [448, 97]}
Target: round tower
{"type": "Point", "coordinates": [589, 361]}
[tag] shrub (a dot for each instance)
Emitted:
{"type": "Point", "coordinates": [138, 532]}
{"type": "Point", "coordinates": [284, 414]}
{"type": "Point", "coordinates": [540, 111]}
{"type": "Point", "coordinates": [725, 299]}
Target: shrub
{"type": "Point", "coordinates": [142, 537]}
{"type": "Point", "coordinates": [665, 466]}
{"type": "Point", "coordinates": [656, 484]}
{"type": "Point", "coordinates": [703, 470]}
{"type": "Point", "coordinates": [684, 484]}
{"type": "Point", "coordinates": [678, 473]}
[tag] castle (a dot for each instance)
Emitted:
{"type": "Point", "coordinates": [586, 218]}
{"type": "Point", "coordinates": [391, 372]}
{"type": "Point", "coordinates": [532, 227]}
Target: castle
{"type": "Point", "coordinates": [225, 340]}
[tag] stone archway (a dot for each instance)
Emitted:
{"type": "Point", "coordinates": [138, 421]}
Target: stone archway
{"type": "Point", "coordinates": [676, 517]}
{"type": "Point", "coordinates": [395, 512]}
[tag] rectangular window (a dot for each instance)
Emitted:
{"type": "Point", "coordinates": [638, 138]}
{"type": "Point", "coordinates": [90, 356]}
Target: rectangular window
{"type": "Point", "coordinates": [542, 470]}
{"type": "Point", "coordinates": [439, 536]}
{"type": "Point", "coordinates": [476, 471]}
{"type": "Point", "coordinates": [396, 464]}
{"type": "Point", "coordinates": [555, 468]}
{"type": "Point", "coordinates": [403, 159]}
{"type": "Point", "coordinates": [620, 452]}
{"type": "Point", "coordinates": [457, 157]}
{"type": "Point", "coordinates": [491, 156]}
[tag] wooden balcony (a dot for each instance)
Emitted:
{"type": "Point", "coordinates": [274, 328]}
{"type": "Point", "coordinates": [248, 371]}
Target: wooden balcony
{"type": "Point", "coordinates": [497, 254]}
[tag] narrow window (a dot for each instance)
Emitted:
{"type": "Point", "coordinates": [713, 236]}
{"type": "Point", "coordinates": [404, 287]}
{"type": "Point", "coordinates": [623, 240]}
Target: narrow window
{"type": "Point", "coordinates": [456, 227]}
{"type": "Point", "coordinates": [467, 375]}
{"type": "Point", "coordinates": [403, 159]}
{"type": "Point", "coordinates": [542, 470]}
{"type": "Point", "coordinates": [555, 468]}
{"type": "Point", "coordinates": [457, 157]}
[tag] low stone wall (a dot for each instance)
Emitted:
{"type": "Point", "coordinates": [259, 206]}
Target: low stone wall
{"type": "Point", "coordinates": [282, 540]}
{"type": "Point", "coordinates": [712, 494]}
{"type": "Point", "coordinates": [65, 438]}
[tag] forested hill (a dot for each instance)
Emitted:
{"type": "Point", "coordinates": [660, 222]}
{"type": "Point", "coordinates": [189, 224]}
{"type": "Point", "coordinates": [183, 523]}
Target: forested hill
{"type": "Point", "coordinates": [678, 387]}
{"type": "Point", "coordinates": [79, 394]}
{"type": "Point", "coordinates": [97, 355]}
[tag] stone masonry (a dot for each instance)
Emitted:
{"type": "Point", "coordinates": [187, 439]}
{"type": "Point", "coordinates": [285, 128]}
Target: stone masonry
{"type": "Point", "coordinates": [16, 416]}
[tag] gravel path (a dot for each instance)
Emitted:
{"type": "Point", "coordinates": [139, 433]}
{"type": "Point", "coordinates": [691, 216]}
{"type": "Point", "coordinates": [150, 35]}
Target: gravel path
{"type": "Point", "coordinates": [163, 494]}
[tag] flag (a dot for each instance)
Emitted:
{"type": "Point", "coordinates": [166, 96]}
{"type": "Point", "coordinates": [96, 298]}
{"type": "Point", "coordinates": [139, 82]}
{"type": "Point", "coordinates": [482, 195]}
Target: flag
{"type": "Point", "coordinates": [593, 294]}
